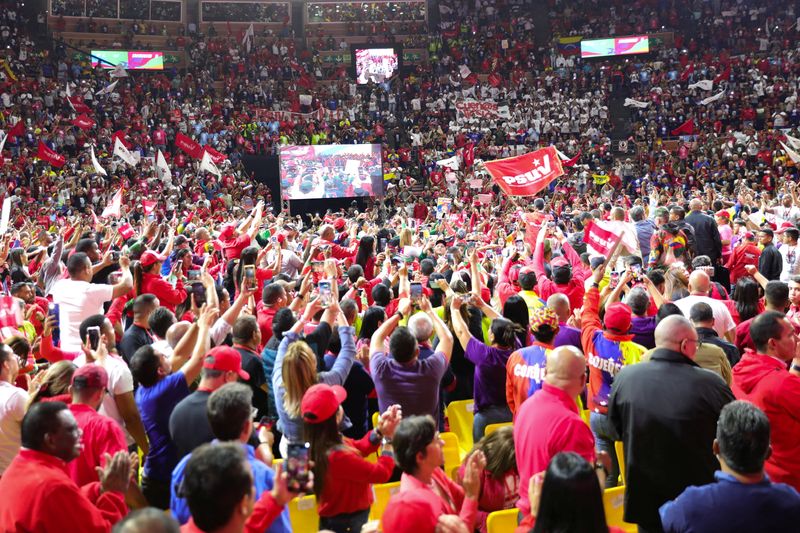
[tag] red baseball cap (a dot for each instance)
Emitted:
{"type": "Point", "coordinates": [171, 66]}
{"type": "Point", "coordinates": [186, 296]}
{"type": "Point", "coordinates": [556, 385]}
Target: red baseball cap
{"type": "Point", "coordinates": [225, 359]}
{"type": "Point", "coordinates": [410, 510]}
{"type": "Point", "coordinates": [339, 224]}
{"type": "Point", "coordinates": [227, 231]}
{"type": "Point", "coordinates": [90, 376]}
{"type": "Point", "coordinates": [320, 402]}
{"type": "Point", "coordinates": [618, 318]}
{"type": "Point", "coordinates": [785, 226]}
{"type": "Point", "coordinates": [559, 261]}
{"type": "Point", "coordinates": [150, 257]}
{"type": "Point", "coordinates": [722, 213]}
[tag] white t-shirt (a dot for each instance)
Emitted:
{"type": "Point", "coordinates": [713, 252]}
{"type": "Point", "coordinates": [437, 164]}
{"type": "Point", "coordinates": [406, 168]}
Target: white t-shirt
{"type": "Point", "coordinates": [12, 409]}
{"type": "Point", "coordinates": [120, 381]}
{"type": "Point", "coordinates": [77, 300]}
{"type": "Point", "coordinates": [723, 322]}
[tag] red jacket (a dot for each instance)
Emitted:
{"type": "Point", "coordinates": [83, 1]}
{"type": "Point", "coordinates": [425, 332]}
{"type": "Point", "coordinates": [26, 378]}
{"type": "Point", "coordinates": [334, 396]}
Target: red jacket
{"type": "Point", "coordinates": [744, 254]}
{"type": "Point", "coordinates": [101, 435]}
{"type": "Point", "coordinates": [347, 481]}
{"type": "Point", "coordinates": [765, 381]}
{"type": "Point", "coordinates": [38, 495]}
{"type": "Point", "coordinates": [574, 289]}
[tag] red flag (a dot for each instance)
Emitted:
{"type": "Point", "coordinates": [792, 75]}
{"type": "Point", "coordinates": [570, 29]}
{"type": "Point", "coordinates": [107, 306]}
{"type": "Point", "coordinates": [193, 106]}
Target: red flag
{"type": "Point", "coordinates": [688, 72]}
{"type": "Point", "coordinates": [724, 75]}
{"type": "Point", "coordinates": [215, 156]}
{"type": "Point", "coordinates": [126, 231]}
{"type": "Point", "coordinates": [121, 136]}
{"type": "Point", "coordinates": [189, 146]}
{"type": "Point", "coordinates": [469, 154]}
{"type": "Point", "coordinates": [527, 174]}
{"type": "Point", "coordinates": [83, 122]}
{"type": "Point", "coordinates": [46, 153]}
{"type": "Point", "coordinates": [687, 128]}
{"type": "Point", "coordinates": [601, 240]}
{"type": "Point", "coordinates": [495, 80]}
{"type": "Point", "coordinates": [78, 104]}
{"type": "Point", "coordinates": [149, 206]}
{"type": "Point", "coordinates": [571, 162]}
{"type": "Point", "coordinates": [17, 130]}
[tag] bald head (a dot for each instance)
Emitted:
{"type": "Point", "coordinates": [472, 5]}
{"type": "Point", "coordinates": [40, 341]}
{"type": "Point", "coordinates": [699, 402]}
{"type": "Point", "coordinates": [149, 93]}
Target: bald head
{"type": "Point", "coordinates": [671, 333]}
{"type": "Point", "coordinates": [617, 214]}
{"type": "Point", "coordinates": [566, 369]}
{"type": "Point", "coordinates": [559, 303]}
{"type": "Point", "coordinates": [699, 282]}
{"type": "Point", "coordinates": [695, 205]}
{"type": "Point", "coordinates": [176, 332]}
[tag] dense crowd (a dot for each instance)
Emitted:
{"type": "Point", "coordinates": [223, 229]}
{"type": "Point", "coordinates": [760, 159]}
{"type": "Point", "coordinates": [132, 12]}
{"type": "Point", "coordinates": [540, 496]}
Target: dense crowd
{"type": "Point", "coordinates": [173, 340]}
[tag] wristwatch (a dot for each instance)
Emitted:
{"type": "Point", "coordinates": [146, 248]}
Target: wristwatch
{"type": "Point", "coordinates": [601, 466]}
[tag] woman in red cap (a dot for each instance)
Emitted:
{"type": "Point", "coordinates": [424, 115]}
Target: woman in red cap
{"type": "Point", "coordinates": [341, 472]}
{"type": "Point", "coordinates": [147, 280]}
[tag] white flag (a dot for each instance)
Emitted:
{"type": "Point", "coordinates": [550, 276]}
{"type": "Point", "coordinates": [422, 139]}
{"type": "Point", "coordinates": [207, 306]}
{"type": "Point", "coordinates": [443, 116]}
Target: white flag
{"type": "Point", "coordinates": [714, 98]}
{"type": "Point", "coordinates": [465, 71]}
{"type": "Point", "coordinates": [69, 93]}
{"type": "Point", "coordinates": [3, 143]}
{"type": "Point", "coordinates": [6, 215]}
{"type": "Point", "coordinates": [562, 155]}
{"type": "Point", "coordinates": [306, 99]}
{"type": "Point", "coordinates": [123, 153]}
{"type": "Point", "coordinates": [794, 156]}
{"type": "Point", "coordinates": [162, 168]}
{"type": "Point", "coordinates": [113, 209]}
{"type": "Point", "coordinates": [248, 37]}
{"type": "Point", "coordinates": [108, 89]}
{"type": "Point", "coordinates": [706, 85]}
{"type": "Point", "coordinates": [450, 162]}
{"type": "Point", "coordinates": [793, 141]}
{"type": "Point", "coordinates": [503, 111]}
{"type": "Point", "coordinates": [630, 102]}
{"type": "Point", "coordinates": [206, 164]}
{"type": "Point", "coordinates": [96, 164]}
{"type": "Point", "coordinates": [119, 72]}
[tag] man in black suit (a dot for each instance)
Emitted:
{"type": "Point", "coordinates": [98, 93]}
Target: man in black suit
{"type": "Point", "coordinates": [706, 232]}
{"type": "Point", "coordinates": [770, 262]}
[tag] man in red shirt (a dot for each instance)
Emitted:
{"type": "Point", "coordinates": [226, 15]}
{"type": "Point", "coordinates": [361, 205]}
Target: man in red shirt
{"type": "Point", "coordinates": [235, 239]}
{"type": "Point", "coordinates": [744, 253]}
{"type": "Point", "coordinates": [568, 272]}
{"type": "Point", "coordinates": [762, 378]}
{"type": "Point", "coordinates": [549, 422]}
{"type": "Point", "coordinates": [38, 494]}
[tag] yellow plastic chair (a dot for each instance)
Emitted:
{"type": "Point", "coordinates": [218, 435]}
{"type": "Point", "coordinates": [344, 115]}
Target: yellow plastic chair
{"type": "Point", "coordinates": [491, 428]}
{"type": "Point", "coordinates": [452, 452]}
{"type": "Point", "coordinates": [382, 493]}
{"type": "Point", "coordinates": [502, 521]}
{"type": "Point", "coordinates": [620, 449]}
{"type": "Point", "coordinates": [461, 419]}
{"type": "Point", "coordinates": [614, 506]}
{"type": "Point", "coordinates": [303, 514]}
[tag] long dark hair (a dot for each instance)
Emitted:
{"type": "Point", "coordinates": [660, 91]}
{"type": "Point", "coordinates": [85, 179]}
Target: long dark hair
{"type": "Point", "coordinates": [366, 249]}
{"type": "Point", "coordinates": [498, 446]}
{"type": "Point", "coordinates": [248, 257]}
{"type": "Point", "coordinates": [505, 332]}
{"type": "Point", "coordinates": [138, 271]}
{"type": "Point", "coordinates": [570, 478]}
{"type": "Point", "coordinates": [373, 317]}
{"type": "Point", "coordinates": [516, 310]}
{"type": "Point", "coordinates": [746, 297]}
{"type": "Point", "coordinates": [323, 438]}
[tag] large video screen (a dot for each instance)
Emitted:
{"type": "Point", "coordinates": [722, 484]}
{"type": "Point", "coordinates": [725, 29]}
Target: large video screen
{"type": "Point", "coordinates": [331, 171]}
{"type": "Point", "coordinates": [376, 65]}
{"type": "Point", "coordinates": [130, 60]}
{"type": "Point", "coordinates": [619, 46]}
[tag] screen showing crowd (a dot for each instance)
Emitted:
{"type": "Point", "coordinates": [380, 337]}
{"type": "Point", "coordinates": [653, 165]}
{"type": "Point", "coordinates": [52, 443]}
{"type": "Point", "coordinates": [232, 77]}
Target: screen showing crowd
{"type": "Point", "coordinates": [331, 171]}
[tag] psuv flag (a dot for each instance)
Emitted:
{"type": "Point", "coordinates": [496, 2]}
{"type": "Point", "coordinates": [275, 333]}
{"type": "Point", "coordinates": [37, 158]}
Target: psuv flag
{"type": "Point", "coordinates": [526, 175]}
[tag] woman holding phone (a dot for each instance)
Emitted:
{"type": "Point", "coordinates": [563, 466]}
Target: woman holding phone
{"type": "Point", "coordinates": [342, 474]}
{"type": "Point", "coordinates": [248, 271]}
{"type": "Point", "coordinates": [147, 280]}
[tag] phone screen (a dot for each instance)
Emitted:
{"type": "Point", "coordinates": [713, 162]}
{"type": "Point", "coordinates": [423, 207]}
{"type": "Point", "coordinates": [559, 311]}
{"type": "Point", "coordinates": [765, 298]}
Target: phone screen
{"type": "Point", "coordinates": [94, 337]}
{"type": "Point", "coordinates": [520, 246]}
{"type": "Point", "coordinates": [325, 293]}
{"type": "Point", "coordinates": [613, 280]}
{"type": "Point", "coordinates": [194, 274]}
{"type": "Point", "coordinates": [250, 276]}
{"type": "Point", "coordinates": [199, 292]}
{"type": "Point", "coordinates": [416, 291]}
{"type": "Point", "coordinates": [316, 266]}
{"type": "Point", "coordinates": [297, 466]}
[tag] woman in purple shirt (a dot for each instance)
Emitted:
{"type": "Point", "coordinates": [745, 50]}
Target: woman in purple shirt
{"type": "Point", "coordinates": [490, 367]}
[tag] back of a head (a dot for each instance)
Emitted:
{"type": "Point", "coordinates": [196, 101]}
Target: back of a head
{"type": "Point", "coordinates": [776, 295]}
{"type": "Point", "coordinates": [403, 345]}
{"type": "Point", "coordinates": [565, 364]}
{"type": "Point", "coordinates": [411, 437]}
{"type": "Point", "coordinates": [144, 365]}
{"type": "Point", "coordinates": [147, 520]}
{"type": "Point", "coordinates": [144, 304]}
{"type": "Point", "coordinates": [282, 322]}
{"type": "Point", "coordinates": [570, 478]}
{"type": "Point", "coordinates": [743, 437]}
{"type": "Point", "coordinates": [381, 295]}
{"type": "Point", "coordinates": [638, 300]}
{"type": "Point", "coordinates": [768, 325]}
{"type": "Point", "coordinates": [229, 410]}
{"type": "Point", "coordinates": [244, 329]}
{"type": "Point", "coordinates": [527, 280]}
{"type": "Point", "coordinates": [176, 332]}
{"type": "Point", "coordinates": [216, 479]}
{"type": "Point", "coordinates": [666, 310]}
{"type": "Point", "coordinates": [672, 328]}
{"type": "Point", "coordinates": [420, 326]}
{"type": "Point", "coordinates": [40, 420]}
{"type": "Point", "coordinates": [94, 321]}
{"type": "Point", "coordinates": [699, 282]}
{"type": "Point", "coordinates": [701, 313]}
{"type": "Point", "coordinates": [350, 309]}
{"type": "Point", "coordinates": [504, 332]}
{"type": "Point", "coordinates": [498, 447]}
{"type": "Point", "coordinates": [160, 321]}
{"type": "Point", "coordinates": [637, 213]}
{"type": "Point", "coordinates": [76, 264]}
{"type": "Point", "coordinates": [272, 293]}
